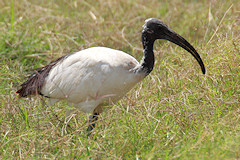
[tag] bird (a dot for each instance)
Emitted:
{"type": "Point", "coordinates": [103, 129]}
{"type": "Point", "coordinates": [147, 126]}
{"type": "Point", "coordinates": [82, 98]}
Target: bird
{"type": "Point", "coordinates": [98, 76]}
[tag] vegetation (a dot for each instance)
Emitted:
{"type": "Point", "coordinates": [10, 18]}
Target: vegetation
{"type": "Point", "coordinates": [175, 113]}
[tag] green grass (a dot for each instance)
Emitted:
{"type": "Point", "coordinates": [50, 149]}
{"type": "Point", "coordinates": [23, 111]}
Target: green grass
{"type": "Point", "coordinates": [175, 113]}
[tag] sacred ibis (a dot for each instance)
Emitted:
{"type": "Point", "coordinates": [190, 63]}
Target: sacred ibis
{"type": "Point", "coordinates": [94, 77]}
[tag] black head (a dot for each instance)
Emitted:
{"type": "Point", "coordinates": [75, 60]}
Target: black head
{"type": "Point", "coordinates": [155, 29]}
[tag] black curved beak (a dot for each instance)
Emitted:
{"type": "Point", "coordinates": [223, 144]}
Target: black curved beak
{"type": "Point", "coordinates": [173, 37]}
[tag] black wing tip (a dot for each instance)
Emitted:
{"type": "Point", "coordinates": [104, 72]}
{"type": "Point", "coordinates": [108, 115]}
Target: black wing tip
{"type": "Point", "coordinates": [21, 93]}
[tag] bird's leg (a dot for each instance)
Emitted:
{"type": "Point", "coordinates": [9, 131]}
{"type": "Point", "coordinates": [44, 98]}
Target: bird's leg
{"type": "Point", "coordinates": [92, 120]}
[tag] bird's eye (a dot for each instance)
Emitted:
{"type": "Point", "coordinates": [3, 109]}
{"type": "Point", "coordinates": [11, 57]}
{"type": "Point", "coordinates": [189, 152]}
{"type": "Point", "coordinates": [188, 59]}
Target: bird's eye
{"type": "Point", "coordinates": [150, 31]}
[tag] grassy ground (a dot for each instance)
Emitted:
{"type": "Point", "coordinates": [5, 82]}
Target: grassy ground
{"type": "Point", "coordinates": [175, 113]}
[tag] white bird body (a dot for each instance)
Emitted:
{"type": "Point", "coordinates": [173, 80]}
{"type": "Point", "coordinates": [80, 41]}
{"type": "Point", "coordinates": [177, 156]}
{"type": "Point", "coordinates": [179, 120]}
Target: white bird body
{"type": "Point", "coordinates": [92, 77]}
{"type": "Point", "coordinates": [98, 76]}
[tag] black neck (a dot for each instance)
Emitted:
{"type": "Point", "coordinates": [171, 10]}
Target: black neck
{"type": "Point", "coordinates": [147, 62]}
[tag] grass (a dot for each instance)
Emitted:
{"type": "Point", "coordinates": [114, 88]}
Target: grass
{"type": "Point", "coordinates": [175, 113]}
